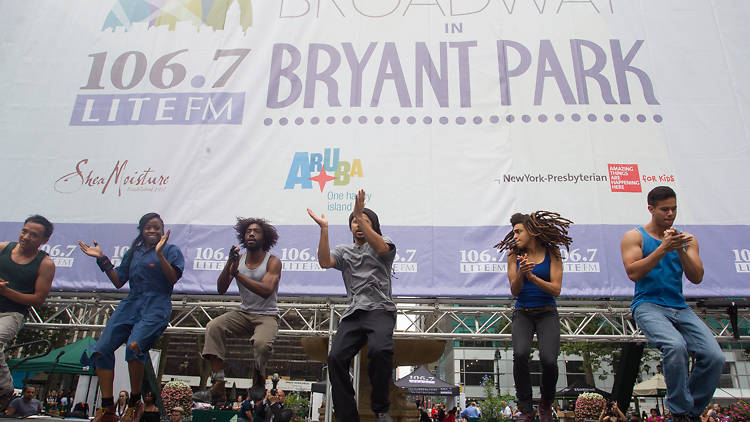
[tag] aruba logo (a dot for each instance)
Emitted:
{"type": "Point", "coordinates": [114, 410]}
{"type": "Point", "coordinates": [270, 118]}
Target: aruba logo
{"type": "Point", "coordinates": [308, 167]}
{"type": "Point", "coordinates": [168, 12]}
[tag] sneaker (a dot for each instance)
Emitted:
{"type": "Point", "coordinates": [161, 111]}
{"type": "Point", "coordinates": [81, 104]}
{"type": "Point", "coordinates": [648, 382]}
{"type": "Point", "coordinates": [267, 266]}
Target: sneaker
{"type": "Point", "coordinates": [545, 411]}
{"type": "Point", "coordinates": [526, 417]}
{"type": "Point", "coordinates": [218, 392]}
{"type": "Point", "coordinates": [257, 392]}
{"type": "Point", "coordinates": [383, 417]}
{"type": "Point", "coordinates": [106, 415]}
{"type": "Point", "coordinates": [133, 413]}
{"type": "Point", "coordinates": [202, 396]}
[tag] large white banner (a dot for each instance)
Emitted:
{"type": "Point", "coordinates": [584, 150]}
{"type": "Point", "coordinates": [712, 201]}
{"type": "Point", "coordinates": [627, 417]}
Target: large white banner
{"type": "Point", "coordinates": [451, 114]}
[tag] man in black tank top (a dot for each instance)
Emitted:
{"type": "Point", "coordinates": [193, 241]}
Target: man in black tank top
{"type": "Point", "coordinates": [257, 273]}
{"type": "Point", "coordinates": [26, 275]}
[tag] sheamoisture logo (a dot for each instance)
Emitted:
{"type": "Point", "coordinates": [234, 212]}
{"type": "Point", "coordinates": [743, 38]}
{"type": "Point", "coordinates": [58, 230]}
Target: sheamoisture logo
{"type": "Point", "coordinates": [119, 177]}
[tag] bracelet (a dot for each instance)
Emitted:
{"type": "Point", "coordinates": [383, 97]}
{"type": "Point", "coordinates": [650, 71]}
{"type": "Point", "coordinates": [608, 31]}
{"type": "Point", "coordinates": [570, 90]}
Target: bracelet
{"type": "Point", "coordinates": [104, 263]}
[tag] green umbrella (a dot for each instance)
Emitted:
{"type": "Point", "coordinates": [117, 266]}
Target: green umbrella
{"type": "Point", "coordinates": [66, 359]}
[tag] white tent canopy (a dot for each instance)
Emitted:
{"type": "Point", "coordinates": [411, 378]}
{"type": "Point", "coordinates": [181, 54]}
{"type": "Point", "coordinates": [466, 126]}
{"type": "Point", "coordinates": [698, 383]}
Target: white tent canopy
{"type": "Point", "coordinates": [651, 386]}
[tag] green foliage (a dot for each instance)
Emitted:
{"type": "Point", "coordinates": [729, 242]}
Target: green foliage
{"type": "Point", "coordinates": [594, 355]}
{"type": "Point", "coordinates": [299, 404]}
{"type": "Point", "coordinates": [492, 405]}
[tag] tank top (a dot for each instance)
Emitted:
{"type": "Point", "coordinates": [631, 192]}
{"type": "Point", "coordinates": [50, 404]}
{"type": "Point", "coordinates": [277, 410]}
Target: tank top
{"type": "Point", "coordinates": [20, 277]}
{"type": "Point", "coordinates": [531, 295]}
{"type": "Point", "coordinates": [252, 302]}
{"type": "Point", "coordinates": [663, 284]}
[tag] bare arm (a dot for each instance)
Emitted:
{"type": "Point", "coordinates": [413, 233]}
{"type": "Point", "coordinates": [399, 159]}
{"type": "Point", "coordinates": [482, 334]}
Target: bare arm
{"type": "Point", "coordinates": [42, 286]}
{"type": "Point", "coordinates": [225, 278]}
{"type": "Point", "coordinates": [324, 249]}
{"type": "Point", "coordinates": [554, 285]}
{"type": "Point", "coordinates": [166, 268]}
{"type": "Point", "coordinates": [515, 277]}
{"type": "Point", "coordinates": [96, 252]}
{"type": "Point", "coordinates": [375, 240]}
{"type": "Point", "coordinates": [620, 416]}
{"type": "Point", "coordinates": [692, 265]}
{"type": "Point", "coordinates": [268, 283]}
{"type": "Point", "coordinates": [3, 245]}
{"type": "Point", "coordinates": [631, 248]}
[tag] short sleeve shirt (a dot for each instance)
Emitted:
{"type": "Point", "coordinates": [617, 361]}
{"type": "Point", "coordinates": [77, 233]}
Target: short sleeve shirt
{"type": "Point", "coordinates": [24, 408]}
{"type": "Point", "coordinates": [142, 269]}
{"type": "Point", "coordinates": [367, 276]}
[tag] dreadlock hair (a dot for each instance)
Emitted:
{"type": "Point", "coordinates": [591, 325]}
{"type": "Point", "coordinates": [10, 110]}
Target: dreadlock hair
{"type": "Point", "coordinates": [270, 235]}
{"type": "Point", "coordinates": [549, 228]}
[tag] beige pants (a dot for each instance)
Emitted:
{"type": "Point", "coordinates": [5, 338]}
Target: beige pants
{"type": "Point", "coordinates": [10, 324]}
{"type": "Point", "coordinates": [261, 329]}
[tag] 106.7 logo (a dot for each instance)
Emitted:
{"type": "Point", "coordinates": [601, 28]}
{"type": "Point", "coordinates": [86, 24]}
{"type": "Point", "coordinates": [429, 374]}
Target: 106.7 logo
{"type": "Point", "coordinates": [741, 260]}
{"type": "Point", "coordinates": [129, 69]}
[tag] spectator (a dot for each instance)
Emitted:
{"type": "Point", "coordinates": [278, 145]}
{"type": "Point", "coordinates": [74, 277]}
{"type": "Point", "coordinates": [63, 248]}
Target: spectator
{"type": "Point", "coordinates": [471, 411]}
{"type": "Point", "coordinates": [612, 413]}
{"type": "Point", "coordinates": [150, 411]}
{"type": "Point", "coordinates": [26, 405]}
{"type": "Point", "coordinates": [122, 404]}
{"type": "Point", "coordinates": [451, 415]}
{"type": "Point", "coordinates": [654, 416]}
{"type": "Point", "coordinates": [81, 410]}
{"type": "Point", "coordinates": [245, 414]}
{"type": "Point", "coordinates": [176, 414]}
{"type": "Point", "coordinates": [507, 413]}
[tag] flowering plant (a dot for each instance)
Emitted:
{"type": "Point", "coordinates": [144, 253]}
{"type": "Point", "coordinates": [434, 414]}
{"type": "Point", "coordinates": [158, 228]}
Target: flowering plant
{"type": "Point", "coordinates": [589, 406]}
{"type": "Point", "coordinates": [177, 393]}
{"type": "Point", "coordinates": [739, 411]}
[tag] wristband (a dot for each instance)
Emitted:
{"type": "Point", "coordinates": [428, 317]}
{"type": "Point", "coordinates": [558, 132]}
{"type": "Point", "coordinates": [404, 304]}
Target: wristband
{"type": "Point", "coordinates": [104, 263]}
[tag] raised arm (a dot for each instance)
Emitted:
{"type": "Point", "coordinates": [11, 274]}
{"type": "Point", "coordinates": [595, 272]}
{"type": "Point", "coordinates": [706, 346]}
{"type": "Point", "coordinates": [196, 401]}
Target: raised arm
{"type": "Point", "coordinates": [515, 276]}
{"type": "Point", "coordinates": [169, 271]}
{"type": "Point", "coordinates": [103, 262]}
{"type": "Point", "coordinates": [371, 236]}
{"type": "Point", "coordinates": [631, 248]}
{"type": "Point", "coordinates": [324, 249]}
{"type": "Point", "coordinates": [42, 286]}
{"type": "Point", "coordinates": [225, 278]}
{"type": "Point", "coordinates": [692, 265]}
{"type": "Point", "coordinates": [266, 285]}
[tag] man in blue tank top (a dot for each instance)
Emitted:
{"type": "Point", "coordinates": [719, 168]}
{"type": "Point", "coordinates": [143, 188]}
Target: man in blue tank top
{"type": "Point", "coordinates": [26, 275]}
{"type": "Point", "coordinates": [655, 257]}
{"type": "Point", "coordinates": [257, 273]}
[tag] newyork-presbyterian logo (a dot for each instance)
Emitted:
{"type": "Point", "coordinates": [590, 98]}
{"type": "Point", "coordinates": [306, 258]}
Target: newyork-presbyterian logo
{"type": "Point", "coordinates": [168, 12]}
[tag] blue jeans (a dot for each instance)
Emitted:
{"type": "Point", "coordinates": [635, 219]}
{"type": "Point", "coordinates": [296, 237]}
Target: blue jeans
{"type": "Point", "coordinates": [677, 333]}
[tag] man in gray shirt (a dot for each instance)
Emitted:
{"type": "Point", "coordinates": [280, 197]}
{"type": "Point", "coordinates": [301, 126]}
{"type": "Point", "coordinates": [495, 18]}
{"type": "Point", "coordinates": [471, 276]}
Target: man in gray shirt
{"type": "Point", "coordinates": [26, 405]}
{"type": "Point", "coordinates": [366, 269]}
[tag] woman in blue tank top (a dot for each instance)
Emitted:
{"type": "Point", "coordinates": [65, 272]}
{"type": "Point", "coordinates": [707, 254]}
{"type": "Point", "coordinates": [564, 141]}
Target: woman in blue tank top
{"type": "Point", "coordinates": [535, 275]}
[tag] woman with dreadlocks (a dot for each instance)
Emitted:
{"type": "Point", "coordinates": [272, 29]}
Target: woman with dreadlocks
{"type": "Point", "coordinates": [535, 275]}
